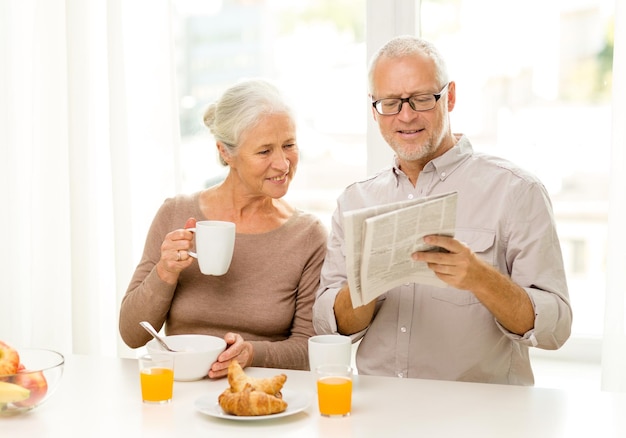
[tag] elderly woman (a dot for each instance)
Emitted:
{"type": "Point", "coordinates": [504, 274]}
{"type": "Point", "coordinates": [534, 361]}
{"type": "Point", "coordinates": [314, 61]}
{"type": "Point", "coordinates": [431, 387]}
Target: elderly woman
{"type": "Point", "coordinates": [262, 305]}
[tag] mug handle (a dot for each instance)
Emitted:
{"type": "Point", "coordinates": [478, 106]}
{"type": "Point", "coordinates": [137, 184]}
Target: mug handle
{"type": "Point", "coordinates": [191, 253]}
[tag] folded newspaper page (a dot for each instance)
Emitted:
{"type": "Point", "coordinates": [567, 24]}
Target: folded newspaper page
{"type": "Point", "coordinates": [380, 241]}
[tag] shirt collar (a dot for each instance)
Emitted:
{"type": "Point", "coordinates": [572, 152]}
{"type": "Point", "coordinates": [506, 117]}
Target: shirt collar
{"type": "Point", "coordinates": [447, 163]}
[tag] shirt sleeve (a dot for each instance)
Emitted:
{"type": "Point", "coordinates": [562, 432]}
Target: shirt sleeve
{"type": "Point", "coordinates": [536, 261]}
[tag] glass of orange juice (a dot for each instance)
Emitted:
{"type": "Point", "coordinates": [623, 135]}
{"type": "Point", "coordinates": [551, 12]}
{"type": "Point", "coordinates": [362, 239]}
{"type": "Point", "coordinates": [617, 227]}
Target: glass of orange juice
{"type": "Point", "coordinates": [156, 374]}
{"type": "Point", "coordinates": [334, 390]}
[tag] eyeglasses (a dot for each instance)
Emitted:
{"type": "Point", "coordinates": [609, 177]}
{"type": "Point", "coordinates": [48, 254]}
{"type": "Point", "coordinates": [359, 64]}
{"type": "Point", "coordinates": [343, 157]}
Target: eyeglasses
{"type": "Point", "coordinates": [418, 102]}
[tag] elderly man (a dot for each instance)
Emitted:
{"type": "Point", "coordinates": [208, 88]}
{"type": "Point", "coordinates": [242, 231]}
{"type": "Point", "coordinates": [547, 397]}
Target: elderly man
{"type": "Point", "coordinates": [505, 289]}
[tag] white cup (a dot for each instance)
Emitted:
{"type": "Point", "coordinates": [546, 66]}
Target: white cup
{"type": "Point", "coordinates": [329, 350]}
{"type": "Point", "coordinates": [215, 241]}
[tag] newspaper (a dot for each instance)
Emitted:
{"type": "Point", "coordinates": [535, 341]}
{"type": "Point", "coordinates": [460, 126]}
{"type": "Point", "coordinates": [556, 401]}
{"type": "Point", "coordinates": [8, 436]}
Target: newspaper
{"type": "Point", "coordinates": [380, 241]}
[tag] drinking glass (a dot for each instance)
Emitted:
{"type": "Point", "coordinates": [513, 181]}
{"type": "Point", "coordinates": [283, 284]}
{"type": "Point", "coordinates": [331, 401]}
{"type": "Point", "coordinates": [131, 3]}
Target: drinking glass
{"type": "Point", "coordinates": [156, 374]}
{"type": "Point", "coordinates": [334, 390]}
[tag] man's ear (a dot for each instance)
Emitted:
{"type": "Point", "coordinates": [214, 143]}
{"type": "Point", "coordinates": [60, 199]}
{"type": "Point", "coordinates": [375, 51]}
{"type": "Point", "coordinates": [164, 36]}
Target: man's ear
{"type": "Point", "coordinates": [374, 113]}
{"type": "Point", "coordinates": [451, 95]}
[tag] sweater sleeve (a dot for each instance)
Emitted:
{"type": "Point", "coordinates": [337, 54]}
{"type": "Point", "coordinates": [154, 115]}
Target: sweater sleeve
{"type": "Point", "coordinates": [148, 298]}
{"type": "Point", "coordinates": [292, 353]}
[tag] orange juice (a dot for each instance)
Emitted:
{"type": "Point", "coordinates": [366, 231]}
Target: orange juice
{"type": "Point", "coordinates": [157, 384]}
{"type": "Point", "coordinates": [334, 395]}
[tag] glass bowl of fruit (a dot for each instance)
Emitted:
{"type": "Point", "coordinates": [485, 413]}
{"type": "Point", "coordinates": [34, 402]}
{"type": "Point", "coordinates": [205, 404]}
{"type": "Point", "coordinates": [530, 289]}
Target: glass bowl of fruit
{"type": "Point", "coordinates": [28, 377]}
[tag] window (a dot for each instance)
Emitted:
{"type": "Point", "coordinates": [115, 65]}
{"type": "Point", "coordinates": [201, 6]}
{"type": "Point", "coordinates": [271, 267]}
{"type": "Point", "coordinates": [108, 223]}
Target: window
{"type": "Point", "coordinates": [313, 50]}
{"type": "Point", "coordinates": [533, 86]}
{"type": "Point", "coordinates": [576, 256]}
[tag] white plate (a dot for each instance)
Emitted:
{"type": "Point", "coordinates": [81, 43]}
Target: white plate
{"type": "Point", "coordinates": [296, 402]}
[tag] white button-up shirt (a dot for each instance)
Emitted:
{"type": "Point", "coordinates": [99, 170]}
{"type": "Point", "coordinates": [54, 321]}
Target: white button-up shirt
{"type": "Point", "coordinates": [504, 215]}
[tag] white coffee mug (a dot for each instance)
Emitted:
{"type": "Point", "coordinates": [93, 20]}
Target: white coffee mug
{"type": "Point", "coordinates": [329, 350]}
{"type": "Point", "coordinates": [215, 242]}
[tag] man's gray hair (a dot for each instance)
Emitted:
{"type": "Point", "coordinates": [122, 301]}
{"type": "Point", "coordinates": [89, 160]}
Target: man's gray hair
{"type": "Point", "coordinates": [407, 45]}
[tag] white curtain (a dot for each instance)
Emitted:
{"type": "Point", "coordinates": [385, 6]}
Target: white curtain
{"type": "Point", "coordinates": [614, 340]}
{"type": "Point", "coordinates": [89, 142]}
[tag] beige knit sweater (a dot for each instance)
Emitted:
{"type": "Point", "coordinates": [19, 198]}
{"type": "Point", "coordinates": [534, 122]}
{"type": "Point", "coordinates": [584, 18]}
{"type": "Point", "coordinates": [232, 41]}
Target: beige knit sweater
{"type": "Point", "coordinates": [266, 295]}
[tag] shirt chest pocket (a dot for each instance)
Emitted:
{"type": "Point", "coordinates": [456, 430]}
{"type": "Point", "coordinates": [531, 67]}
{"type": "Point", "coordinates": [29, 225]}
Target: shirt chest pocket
{"type": "Point", "coordinates": [482, 243]}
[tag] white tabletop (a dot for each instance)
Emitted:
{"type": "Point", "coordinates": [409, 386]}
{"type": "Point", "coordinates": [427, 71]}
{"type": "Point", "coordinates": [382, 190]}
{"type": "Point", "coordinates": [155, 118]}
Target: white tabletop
{"type": "Point", "coordinates": [100, 397]}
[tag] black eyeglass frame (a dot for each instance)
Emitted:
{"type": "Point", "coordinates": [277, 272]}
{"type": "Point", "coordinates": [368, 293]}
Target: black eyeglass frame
{"type": "Point", "coordinates": [404, 100]}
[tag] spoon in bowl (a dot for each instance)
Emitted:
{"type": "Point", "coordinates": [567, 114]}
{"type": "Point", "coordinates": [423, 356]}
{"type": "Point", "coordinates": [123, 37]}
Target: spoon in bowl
{"type": "Point", "coordinates": [146, 325]}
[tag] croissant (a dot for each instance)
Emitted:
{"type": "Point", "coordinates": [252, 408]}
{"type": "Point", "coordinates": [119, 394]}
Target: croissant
{"type": "Point", "coordinates": [250, 402]}
{"type": "Point", "coordinates": [249, 396]}
{"type": "Point", "coordinates": [237, 380]}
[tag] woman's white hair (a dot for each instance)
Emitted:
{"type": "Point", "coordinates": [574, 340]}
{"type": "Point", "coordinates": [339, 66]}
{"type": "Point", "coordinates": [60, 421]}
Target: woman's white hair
{"type": "Point", "coordinates": [240, 108]}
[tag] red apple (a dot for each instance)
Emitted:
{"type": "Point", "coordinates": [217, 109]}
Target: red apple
{"type": "Point", "coordinates": [9, 359]}
{"type": "Point", "coordinates": [35, 382]}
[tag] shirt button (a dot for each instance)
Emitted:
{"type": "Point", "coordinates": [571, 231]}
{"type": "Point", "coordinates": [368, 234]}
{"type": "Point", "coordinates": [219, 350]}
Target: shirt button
{"type": "Point", "coordinates": [443, 174]}
{"type": "Point", "coordinates": [411, 196]}
{"type": "Point", "coordinates": [401, 375]}
{"type": "Point", "coordinates": [403, 329]}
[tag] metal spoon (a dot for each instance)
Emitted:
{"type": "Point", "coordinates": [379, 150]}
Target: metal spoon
{"type": "Point", "coordinates": [155, 335]}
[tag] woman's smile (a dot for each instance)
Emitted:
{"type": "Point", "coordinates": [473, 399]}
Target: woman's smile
{"type": "Point", "coordinates": [279, 179]}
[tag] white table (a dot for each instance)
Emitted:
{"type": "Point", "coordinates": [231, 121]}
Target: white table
{"type": "Point", "coordinates": [100, 397]}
